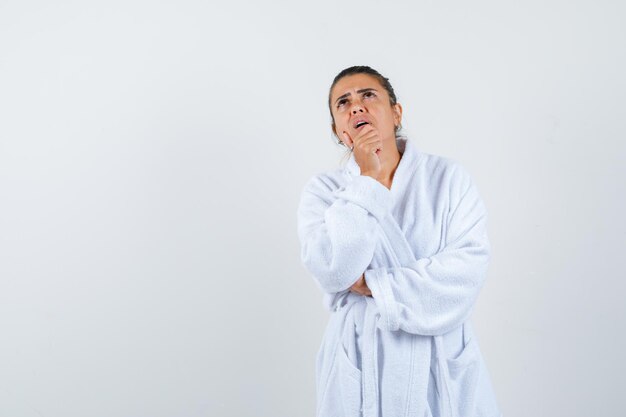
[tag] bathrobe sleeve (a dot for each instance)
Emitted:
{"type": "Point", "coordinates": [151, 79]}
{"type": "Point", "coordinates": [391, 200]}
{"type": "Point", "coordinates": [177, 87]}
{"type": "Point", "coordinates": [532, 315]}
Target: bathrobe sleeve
{"type": "Point", "coordinates": [435, 294]}
{"type": "Point", "coordinates": [337, 228]}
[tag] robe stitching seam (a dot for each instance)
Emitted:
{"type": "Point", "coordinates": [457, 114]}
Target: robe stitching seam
{"type": "Point", "coordinates": [391, 307]}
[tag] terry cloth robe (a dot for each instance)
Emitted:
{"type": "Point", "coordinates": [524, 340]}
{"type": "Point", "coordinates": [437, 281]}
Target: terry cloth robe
{"type": "Point", "coordinates": [409, 349]}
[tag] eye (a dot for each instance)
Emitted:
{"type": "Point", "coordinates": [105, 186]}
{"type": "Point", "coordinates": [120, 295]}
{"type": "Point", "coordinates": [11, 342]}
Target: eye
{"type": "Point", "coordinates": [340, 102]}
{"type": "Point", "coordinates": [369, 94]}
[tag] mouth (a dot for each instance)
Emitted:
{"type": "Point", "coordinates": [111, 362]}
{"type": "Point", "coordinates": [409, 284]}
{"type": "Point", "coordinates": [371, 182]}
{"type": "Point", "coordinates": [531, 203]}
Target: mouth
{"type": "Point", "coordinates": [360, 123]}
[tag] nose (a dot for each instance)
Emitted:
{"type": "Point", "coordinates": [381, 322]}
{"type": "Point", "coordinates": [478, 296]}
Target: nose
{"type": "Point", "coordinates": [356, 108]}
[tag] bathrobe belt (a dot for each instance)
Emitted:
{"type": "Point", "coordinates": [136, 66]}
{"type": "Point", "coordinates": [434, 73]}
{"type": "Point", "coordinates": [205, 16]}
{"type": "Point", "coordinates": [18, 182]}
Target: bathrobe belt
{"type": "Point", "coordinates": [369, 365]}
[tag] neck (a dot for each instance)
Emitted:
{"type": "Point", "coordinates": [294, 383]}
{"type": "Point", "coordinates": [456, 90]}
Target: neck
{"type": "Point", "coordinates": [389, 160]}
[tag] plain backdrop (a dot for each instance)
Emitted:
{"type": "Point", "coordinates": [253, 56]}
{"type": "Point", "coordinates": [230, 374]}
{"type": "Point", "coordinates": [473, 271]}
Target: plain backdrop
{"type": "Point", "coordinates": [152, 155]}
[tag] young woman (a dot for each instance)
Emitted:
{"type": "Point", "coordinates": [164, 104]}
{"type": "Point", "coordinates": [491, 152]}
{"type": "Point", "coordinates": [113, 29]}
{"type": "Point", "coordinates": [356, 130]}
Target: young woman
{"type": "Point", "coordinates": [397, 241]}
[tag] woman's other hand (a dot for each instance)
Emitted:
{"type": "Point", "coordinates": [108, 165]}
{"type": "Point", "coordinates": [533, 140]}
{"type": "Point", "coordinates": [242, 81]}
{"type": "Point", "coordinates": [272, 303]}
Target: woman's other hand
{"type": "Point", "coordinates": [360, 287]}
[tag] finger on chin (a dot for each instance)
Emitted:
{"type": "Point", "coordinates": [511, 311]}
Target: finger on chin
{"type": "Point", "coordinates": [347, 138]}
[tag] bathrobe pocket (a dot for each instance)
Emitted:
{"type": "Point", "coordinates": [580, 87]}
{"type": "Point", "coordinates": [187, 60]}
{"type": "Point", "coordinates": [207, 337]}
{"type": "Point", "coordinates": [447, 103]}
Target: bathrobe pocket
{"type": "Point", "coordinates": [464, 371]}
{"type": "Point", "coordinates": [342, 393]}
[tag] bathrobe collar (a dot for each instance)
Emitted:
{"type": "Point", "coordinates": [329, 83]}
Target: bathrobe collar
{"type": "Point", "coordinates": [409, 157]}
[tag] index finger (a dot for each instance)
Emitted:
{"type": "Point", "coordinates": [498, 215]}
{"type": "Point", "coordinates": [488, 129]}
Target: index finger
{"type": "Point", "coordinates": [348, 139]}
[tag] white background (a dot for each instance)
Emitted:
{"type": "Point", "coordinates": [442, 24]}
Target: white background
{"type": "Point", "coordinates": [151, 159]}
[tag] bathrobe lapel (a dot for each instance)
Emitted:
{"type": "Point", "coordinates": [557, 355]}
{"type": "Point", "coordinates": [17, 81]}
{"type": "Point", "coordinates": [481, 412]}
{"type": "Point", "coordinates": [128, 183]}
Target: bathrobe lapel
{"type": "Point", "coordinates": [390, 229]}
{"type": "Point", "coordinates": [400, 250]}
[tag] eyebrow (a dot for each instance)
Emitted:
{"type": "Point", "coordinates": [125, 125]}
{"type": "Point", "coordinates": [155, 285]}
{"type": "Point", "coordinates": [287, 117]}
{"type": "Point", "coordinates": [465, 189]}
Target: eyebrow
{"type": "Point", "coordinates": [358, 91]}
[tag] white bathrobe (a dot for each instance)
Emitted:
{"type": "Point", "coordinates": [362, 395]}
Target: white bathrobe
{"type": "Point", "coordinates": [409, 349]}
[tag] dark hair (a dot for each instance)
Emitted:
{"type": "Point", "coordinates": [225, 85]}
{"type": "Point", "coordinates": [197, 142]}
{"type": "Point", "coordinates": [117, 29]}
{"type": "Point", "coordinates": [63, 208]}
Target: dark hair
{"type": "Point", "coordinates": [363, 69]}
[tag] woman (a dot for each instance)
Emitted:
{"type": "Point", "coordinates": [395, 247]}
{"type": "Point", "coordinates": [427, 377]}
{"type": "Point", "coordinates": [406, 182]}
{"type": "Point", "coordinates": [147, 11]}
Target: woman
{"type": "Point", "coordinates": [397, 241]}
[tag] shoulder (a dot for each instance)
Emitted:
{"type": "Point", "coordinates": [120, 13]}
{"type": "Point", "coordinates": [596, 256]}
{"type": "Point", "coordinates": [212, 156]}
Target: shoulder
{"type": "Point", "coordinates": [444, 171]}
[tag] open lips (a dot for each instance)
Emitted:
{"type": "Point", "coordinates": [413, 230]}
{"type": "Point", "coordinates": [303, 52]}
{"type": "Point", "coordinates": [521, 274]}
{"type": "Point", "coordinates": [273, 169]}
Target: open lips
{"type": "Point", "coordinates": [360, 123]}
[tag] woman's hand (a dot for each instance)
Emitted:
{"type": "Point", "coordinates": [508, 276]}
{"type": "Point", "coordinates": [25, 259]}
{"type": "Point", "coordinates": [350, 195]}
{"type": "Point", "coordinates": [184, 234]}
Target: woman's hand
{"type": "Point", "coordinates": [360, 287]}
{"type": "Point", "coordinates": [366, 146]}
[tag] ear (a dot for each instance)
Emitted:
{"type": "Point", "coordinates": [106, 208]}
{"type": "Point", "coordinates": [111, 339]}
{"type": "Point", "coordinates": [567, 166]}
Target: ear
{"type": "Point", "coordinates": [397, 110]}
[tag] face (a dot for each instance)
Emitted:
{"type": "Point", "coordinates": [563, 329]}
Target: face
{"type": "Point", "coordinates": [361, 96]}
